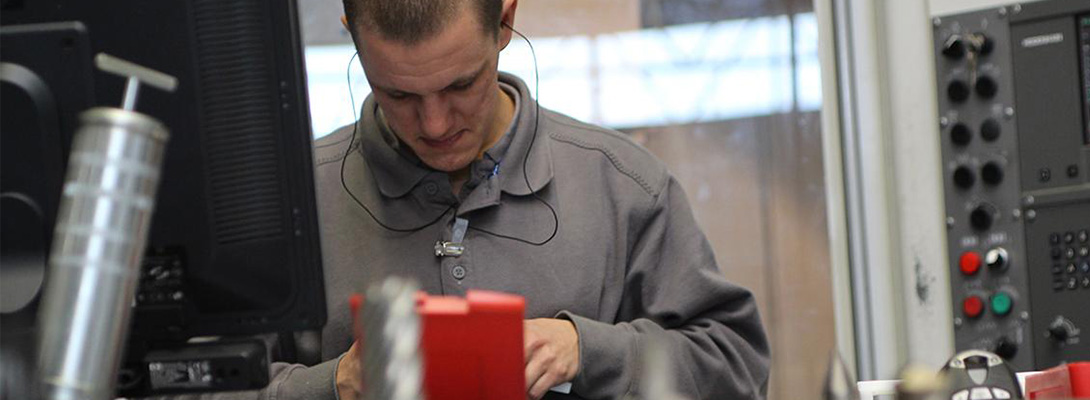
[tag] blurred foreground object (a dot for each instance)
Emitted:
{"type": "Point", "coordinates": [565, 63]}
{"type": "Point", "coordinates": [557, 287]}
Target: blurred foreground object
{"type": "Point", "coordinates": [102, 227]}
{"type": "Point", "coordinates": [839, 382]}
{"type": "Point", "coordinates": [977, 374]}
{"type": "Point", "coordinates": [471, 348]}
{"type": "Point", "coordinates": [1063, 382]}
{"type": "Point", "coordinates": [390, 336]}
{"type": "Point", "coordinates": [920, 383]}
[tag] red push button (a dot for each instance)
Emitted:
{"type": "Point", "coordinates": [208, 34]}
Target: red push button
{"type": "Point", "coordinates": [972, 306]}
{"type": "Point", "coordinates": [970, 262]}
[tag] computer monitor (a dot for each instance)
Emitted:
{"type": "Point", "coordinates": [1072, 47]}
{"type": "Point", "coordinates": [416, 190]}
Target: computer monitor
{"type": "Point", "coordinates": [233, 248]}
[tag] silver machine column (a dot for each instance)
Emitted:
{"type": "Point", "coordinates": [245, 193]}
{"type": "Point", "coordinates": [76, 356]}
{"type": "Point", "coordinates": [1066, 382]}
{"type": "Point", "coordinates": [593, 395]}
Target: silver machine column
{"type": "Point", "coordinates": [99, 240]}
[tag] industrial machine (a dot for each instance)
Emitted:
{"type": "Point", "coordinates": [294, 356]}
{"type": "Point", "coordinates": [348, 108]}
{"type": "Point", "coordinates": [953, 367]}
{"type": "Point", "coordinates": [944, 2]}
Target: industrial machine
{"type": "Point", "coordinates": [1014, 108]}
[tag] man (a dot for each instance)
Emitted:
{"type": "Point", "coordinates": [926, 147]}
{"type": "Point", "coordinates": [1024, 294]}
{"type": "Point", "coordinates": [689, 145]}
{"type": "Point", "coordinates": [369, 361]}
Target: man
{"type": "Point", "coordinates": [446, 140]}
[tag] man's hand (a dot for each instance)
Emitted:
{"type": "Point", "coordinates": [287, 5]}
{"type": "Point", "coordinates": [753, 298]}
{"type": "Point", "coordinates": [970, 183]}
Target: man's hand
{"type": "Point", "coordinates": [349, 385]}
{"type": "Point", "coordinates": [552, 354]}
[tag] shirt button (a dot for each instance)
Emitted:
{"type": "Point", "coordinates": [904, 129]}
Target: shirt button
{"type": "Point", "coordinates": [459, 272]}
{"type": "Point", "coordinates": [431, 188]}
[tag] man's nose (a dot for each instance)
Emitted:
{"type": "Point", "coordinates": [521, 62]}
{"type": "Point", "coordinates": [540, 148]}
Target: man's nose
{"type": "Point", "coordinates": [434, 114]}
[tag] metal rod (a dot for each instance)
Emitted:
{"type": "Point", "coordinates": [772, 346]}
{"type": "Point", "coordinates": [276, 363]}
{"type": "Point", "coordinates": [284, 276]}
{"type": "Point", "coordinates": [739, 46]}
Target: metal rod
{"type": "Point", "coordinates": [132, 88]}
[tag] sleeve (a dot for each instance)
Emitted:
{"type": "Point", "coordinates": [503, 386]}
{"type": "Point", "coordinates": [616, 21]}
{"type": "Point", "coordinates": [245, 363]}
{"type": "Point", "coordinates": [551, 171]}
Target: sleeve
{"type": "Point", "coordinates": [286, 382]}
{"type": "Point", "coordinates": [674, 288]}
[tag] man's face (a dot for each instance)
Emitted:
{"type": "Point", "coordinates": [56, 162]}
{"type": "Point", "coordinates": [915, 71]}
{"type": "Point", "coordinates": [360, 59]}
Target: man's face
{"type": "Point", "coordinates": [439, 95]}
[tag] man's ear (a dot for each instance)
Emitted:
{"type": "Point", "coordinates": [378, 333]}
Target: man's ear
{"type": "Point", "coordinates": [344, 21]}
{"type": "Point", "coordinates": [507, 22]}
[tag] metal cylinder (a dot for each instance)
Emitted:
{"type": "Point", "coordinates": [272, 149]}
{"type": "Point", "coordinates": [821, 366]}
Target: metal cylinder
{"type": "Point", "coordinates": [393, 369]}
{"type": "Point", "coordinates": [98, 244]}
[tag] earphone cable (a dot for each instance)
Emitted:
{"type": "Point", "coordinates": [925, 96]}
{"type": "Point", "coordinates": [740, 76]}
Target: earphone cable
{"type": "Point", "coordinates": [533, 138]}
{"type": "Point", "coordinates": [351, 144]}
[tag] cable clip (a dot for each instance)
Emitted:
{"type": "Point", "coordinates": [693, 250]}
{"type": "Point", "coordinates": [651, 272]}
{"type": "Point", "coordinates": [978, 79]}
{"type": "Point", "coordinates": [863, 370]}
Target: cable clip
{"type": "Point", "coordinates": [453, 248]}
{"type": "Point", "coordinates": [448, 249]}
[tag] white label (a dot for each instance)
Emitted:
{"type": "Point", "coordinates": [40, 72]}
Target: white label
{"type": "Point", "coordinates": [1042, 40]}
{"type": "Point", "coordinates": [969, 241]}
{"type": "Point", "coordinates": [997, 238]}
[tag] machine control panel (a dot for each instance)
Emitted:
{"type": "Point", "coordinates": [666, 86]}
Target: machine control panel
{"type": "Point", "coordinates": [1013, 87]}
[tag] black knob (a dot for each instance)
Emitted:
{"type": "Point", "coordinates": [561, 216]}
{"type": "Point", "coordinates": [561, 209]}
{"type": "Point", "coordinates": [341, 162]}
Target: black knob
{"type": "Point", "coordinates": [957, 91]}
{"type": "Point", "coordinates": [960, 134]}
{"type": "Point", "coordinates": [1005, 348]}
{"type": "Point", "coordinates": [986, 45]}
{"type": "Point", "coordinates": [989, 130]}
{"type": "Point", "coordinates": [991, 173]}
{"type": "Point", "coordinates": [982, 216]}
{"type": "Point", "coordinates": [1059, 330]}
{"type": "Point", "coordinates": [963, 177]}
{"type": "Point", "coordinates": [954, 48]}
{"type": "Point", "coordinates": [986, 87]}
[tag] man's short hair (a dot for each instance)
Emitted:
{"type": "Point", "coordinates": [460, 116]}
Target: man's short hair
{"type": "Point", "coordinates": [412, 21]}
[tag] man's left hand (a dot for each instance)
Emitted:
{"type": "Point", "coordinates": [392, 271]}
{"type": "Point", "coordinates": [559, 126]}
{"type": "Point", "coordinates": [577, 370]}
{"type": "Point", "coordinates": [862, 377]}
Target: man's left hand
{"type": "Point", "coordinates": [552, 354]}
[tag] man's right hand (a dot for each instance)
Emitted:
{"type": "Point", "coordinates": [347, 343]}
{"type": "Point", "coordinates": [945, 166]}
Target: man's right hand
{"type": "Point", "coordinates": [349, 376]}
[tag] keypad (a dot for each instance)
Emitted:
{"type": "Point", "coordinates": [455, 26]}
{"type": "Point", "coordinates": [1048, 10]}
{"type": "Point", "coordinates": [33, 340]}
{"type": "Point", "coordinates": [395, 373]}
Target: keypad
{"type": "Point", "coordinates": [1070, 252]}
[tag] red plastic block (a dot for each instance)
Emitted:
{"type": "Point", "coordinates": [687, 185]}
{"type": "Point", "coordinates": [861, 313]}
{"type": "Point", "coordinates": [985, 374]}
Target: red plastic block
{"type": "Point", "coordinates": [1062, 382]}
{"type": "Point", "coordinates": [472, 347]}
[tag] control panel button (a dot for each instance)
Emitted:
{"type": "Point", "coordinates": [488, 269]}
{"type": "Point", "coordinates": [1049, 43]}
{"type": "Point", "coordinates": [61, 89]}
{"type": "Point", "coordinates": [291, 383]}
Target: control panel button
{"type": "Point", "coordinates": [1084, 236]}
{"type": "Point", "coordinates": [997, 259]}
{"type": "Point", "coordinates": [989, 130]}
{"type": "Point", "coordinates": [980, 393]}
{"type": "Point", "coordinates": [957, 91]}
{"type": "Point", "coordinates": [963, 177]}
{"type": "Point", "coordinates": [991, 173]}
{"type": "Point", "coordinates": [1002, 304]}
{"type": "Point", "coordinates": [962, 395]}
{"type": "Point", "coordinates": [1069, 237]}
{"type": "Point", "coordinates": [1001, 394]}
{"type": "Point", "coordinates": [986, 45]}
{"type": "Point", "coordinates": [1006, 348]}
{"type": "Point", "coordinates": [1054, 238]}
{"type": "Point", "coordinates": [982, 216]}
{"type": "Point", "coordinates": [969, 262]}
{"type": "Point", "coordinates": [954, 48]}
{"type": "Point", "coordinates": [960, 134]}
{"type": "Point", "coordinates": [986, 87]}
{"type": "Point", "coordinates": [972, 306]}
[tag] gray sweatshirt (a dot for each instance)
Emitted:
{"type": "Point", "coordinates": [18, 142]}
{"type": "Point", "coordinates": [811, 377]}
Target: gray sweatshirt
{"type": "Point", "coordinates": [627, 262]}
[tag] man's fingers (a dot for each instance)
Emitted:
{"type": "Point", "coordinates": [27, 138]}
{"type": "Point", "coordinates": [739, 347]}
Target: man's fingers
{"type": "Point", "coordinates": [543, 384]}
{"type": "Point", "coordinates": [534, 371]}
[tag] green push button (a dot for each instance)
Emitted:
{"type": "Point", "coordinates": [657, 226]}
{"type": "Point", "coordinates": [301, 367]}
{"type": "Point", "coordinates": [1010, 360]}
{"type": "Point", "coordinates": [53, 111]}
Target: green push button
{"type": "Point", "coordinates": [1001, 304]}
